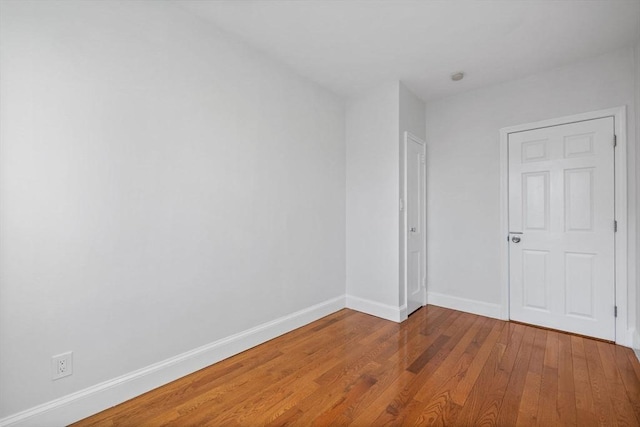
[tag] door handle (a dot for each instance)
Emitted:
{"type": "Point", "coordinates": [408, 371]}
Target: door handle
{"type": "Point", "coordinates": [412, 229]}
{"type": "Point", "coordinates": [515, 239]}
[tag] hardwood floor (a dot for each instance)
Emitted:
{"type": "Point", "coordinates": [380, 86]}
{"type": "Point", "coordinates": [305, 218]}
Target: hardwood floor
{"type": "Point", "coordinates": [440, 367]}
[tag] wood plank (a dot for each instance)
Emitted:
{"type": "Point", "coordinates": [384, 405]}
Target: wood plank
{"type": "Point", "coordinates": [459, 342]}
{"type": "Point", "coordinates": [566, 403]}
{"type": "Point", "coordinates": [394, 391]}
{"type": "Point", "coordinates": [616, 391]}
{"type": "Point", "coordinates": [384, 376]}
{"type": "Point", "coordinates": [629, 369]}
{"type": "Point", "coordinates": [361, 354]}
{"type": "Point", "coordinates": [601, 393]}
{"type": "Point", "coordinates": [508, 412]}
{"type": "Point", "coordinates": [548, 414]}
{"type": "Point", "coordinates": [488, 391]}
{"type": "Point", "coordinates": [585, 409]}
{"type": "Point", "coordinates": [275, 399]}
{"type": "Point", "coordinates": [440, 367]}
{"type": "Point", "coordinates": [327, 397]}
{"type": "Point", "coordinates": [444, 401]}
{"type": "Point", "coordinates": [404, 403]}
{"type": "Point", "coordinates": [478, 360]}
{"type": "Point", "coordinates": [414, 343]}
{"type": "Point", "coordinates": [633, 359]}
{"type": "Point", "coordinates": [528, 411]}
{"type": "Point", "coordinates": [353, 394]}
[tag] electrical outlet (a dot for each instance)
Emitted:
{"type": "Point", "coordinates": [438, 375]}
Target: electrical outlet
{"type": "Point", "coordinates": [62, 365]}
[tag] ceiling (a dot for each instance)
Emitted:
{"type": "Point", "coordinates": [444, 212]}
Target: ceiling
{"type": "Point", "coordinates": [350, 46]}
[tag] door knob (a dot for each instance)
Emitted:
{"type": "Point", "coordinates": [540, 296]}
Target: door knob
{"type": "Point", "coordinates": [515, 239]}
{"type": "Point", "coordinates": [412, 229]}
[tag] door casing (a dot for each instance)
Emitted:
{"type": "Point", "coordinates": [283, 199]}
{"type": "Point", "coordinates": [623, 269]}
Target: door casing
{"type": "Point", "coordinates": [623, 335]}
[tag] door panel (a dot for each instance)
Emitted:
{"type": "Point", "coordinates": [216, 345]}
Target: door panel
{"type": "Point", "coordinates": [415, 221]}
{"type": "Point", "coordinates": [578, 199]}
{"type": "Point", "coordinates": [535, 209]}
{"type": "Point", "coordinates": [535, 274]}
{"type": "Point", "coordinates": [561, 217]}
{"type": "Point", "coordinates": [579, 281]}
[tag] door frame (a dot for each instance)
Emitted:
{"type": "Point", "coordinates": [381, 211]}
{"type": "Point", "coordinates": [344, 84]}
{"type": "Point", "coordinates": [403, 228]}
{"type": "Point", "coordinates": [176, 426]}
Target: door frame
{"type": "Point", "coordinates": [405, 265]}
{"type": "Point", "coordinates": [619, 114]}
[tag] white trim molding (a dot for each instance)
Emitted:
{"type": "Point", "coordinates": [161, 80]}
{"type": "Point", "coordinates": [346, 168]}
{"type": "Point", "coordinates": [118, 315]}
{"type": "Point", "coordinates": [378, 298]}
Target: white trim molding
{"type": "Point", "coordinates": [619, 114]}
{"type": "Point", "coordinates": [480, 308]}
{"type": "Point", "coordinates": [79, 405]}
{"type": "Point", "coordinates": [374, 308]}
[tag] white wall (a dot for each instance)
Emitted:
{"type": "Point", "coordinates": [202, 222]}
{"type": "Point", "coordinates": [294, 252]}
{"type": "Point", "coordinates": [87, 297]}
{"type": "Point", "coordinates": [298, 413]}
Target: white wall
{"type": "Point", "coordinates": [162, 187]}
{"type": "Point", "coordinates": [376, 122]}
{"type": "Point", "coordinates": [412, 120]}
{"type": "Point", "coordinates": [637, 108]}
{"type": "Point", "coordinates": [372, 158]}
{"type": "Point", "coordinates": [463, 169]}
{"type": "Point", "coordinates": [412, 114]}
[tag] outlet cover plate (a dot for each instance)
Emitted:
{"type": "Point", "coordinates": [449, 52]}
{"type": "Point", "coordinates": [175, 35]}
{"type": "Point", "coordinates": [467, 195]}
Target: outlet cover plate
{"type": "Point", "coordinates": [62, 365]}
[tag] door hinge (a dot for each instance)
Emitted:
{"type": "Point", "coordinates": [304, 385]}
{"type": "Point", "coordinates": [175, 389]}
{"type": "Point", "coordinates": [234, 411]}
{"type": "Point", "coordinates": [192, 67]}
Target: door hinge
{"type": "Point", "coordinates": [615, 141]}
{"type": "Point", "coordinates": [615, 226]}
{"type": "Point", "coordinates": [615, 311]}
{"type": "Point", "coordinates": [422, 158]}
{"type": "Point", "coordinates": [401, 204]}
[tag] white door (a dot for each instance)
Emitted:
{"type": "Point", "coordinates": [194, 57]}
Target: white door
{"type": "Point", "coordinates": [561, 223]}
{"type": "Point", "coordinates": [415, 222]}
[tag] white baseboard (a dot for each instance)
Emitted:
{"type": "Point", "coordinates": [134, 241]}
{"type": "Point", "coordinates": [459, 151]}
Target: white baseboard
{"type": "Point", "coordinates": [636, 343]}
{"type": "Point", "coordinates": [79, 405]}
{"type": "Point", "coordinates": [374, 308]}
{"type": "Point", "coordinates": [467, 305]}
{"type": "Point", "coordinates": [628, 338]}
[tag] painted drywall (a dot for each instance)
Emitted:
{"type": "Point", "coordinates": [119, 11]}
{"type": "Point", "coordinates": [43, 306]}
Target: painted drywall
{"type": "Point", "coordinates": [412, 120]}
{"type": "Point", "coordinates": [375, 124]}
{"type": "Point", "coordinates": [412, 113]}
{"type": "Point", "coordinates": [637, 108]}
{"type": "Point", "coordinates": [162, 187]}
{"type": "Point", "coordinates": [372, 194]}
{"type": "Point", "coordinates": [463, 168]}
